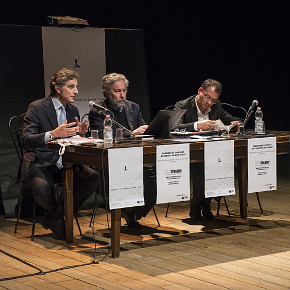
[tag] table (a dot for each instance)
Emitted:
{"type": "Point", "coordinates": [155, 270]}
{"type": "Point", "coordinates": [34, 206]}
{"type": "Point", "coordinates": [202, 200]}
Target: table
{"type": "Point", "coordinates": [98, 155]}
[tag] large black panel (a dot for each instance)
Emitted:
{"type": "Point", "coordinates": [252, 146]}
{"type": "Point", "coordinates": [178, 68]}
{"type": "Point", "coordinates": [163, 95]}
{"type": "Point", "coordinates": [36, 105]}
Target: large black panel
{"type": "Point", "coordinates": [21, 73]}
{"type": "Point", "coordinates": [125, 54]}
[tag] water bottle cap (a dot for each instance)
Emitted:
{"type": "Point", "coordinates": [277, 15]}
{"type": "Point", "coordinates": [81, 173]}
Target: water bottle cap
{"type": "Point", "coordinates": [108, 116]}
{"type": "Point", "coordinates": [258, 108]}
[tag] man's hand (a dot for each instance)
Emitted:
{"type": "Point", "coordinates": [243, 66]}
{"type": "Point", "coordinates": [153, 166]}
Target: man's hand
{"type": "Point", "coordinates": [83, 127]}
{"type": "Point", "coordinates": [237, 127]}
{"type": "Point", "coordinates": [140, 130]}
{"type": "Point", "coordinates": [206, 125]}
{"type": "Point", "coordinates": [64, 130]}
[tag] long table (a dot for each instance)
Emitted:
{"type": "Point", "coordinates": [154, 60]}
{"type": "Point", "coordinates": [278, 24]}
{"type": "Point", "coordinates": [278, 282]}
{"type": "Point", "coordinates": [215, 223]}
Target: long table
{"type": "Point", "coordinates": [98, 156]}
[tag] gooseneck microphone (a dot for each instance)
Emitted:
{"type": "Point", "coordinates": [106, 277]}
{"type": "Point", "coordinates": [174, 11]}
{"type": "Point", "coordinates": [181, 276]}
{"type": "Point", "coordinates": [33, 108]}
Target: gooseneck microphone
{"type": "Point", "coordinates": [250, 112]}
{"type": "Point", "coordinates": [103, 115]}
{"type": "Point", "coordinates": [93, 104]}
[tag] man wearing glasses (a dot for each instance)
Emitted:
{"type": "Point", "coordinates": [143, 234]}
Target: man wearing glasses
{"type": "Point", "coordinates": [202, 112]}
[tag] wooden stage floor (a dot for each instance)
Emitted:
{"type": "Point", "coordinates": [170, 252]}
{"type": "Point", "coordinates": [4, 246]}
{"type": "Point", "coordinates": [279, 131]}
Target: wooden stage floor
{"type": "Point", "coordinates": [226, 253]}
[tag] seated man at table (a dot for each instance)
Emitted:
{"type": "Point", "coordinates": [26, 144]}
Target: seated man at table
{"type": "Point", "coordinates": [46, 119]}
{"type": "Point", "coordinates": [128, 114]}
{"type": "Point", "coordinates": [202, 112]}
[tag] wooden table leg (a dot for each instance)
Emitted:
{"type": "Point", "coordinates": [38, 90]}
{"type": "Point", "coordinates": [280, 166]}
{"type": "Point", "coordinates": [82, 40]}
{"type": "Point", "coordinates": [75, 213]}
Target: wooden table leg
{"type": "Point", "coordinates": [243, 188]}
{"type": "Point", "coordinates": [68, 202]}
{"type": "Point", "coordinates": [115, 231]}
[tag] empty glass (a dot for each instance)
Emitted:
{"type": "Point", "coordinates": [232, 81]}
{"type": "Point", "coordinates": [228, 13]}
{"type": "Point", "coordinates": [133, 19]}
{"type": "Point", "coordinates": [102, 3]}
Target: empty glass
{"type": "Point", "coordinates": [119, 134]}
{"type": "Point", "coordinates": [95, 134]}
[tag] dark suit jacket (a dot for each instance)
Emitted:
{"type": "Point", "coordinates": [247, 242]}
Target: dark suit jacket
{"type": "Point", "coordinates": [190, 117]}
{"type": "Point", "coordinates": [39, 119]}
{"type": "Point", "coordinates": [132, 113]}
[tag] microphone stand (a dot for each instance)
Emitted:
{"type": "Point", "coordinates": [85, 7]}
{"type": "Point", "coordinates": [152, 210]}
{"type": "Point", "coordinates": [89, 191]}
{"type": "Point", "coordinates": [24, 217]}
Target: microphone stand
{"type": "Point", "coordinates": [243, 127]}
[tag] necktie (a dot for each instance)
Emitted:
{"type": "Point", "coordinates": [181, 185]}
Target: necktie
{"type": "Point", "coordinates": [61, 116]}
{"type": "Point", "coordinates": [61, 119]}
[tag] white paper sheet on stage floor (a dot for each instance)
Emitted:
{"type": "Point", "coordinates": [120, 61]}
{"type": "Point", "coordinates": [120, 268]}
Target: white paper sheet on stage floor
{"type": "Point", "coordinates": [262, 171]}
{"type": "Point", "coordinates": [125, 177]}
{"type": "Point", "coordinates": [172, 173]}
{"type": "Point", "coordinates": [219, 168]}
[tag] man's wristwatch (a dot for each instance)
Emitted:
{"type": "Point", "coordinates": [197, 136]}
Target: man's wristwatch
{"type": "Point", "coordinates": [49, 137]}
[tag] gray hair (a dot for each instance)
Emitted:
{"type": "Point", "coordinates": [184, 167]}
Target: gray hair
{"type": "Point", "coordinates": [212, 83]}
{"type": "Point", "coordinates": [60, 78]}
{"type": "Point", "coordinates": [109, 79]}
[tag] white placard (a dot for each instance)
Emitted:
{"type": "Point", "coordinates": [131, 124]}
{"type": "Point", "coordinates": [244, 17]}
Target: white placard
{"type": "Point", "coordinates": [172, 173]}
{"type": "Point", "coordinates": [82, 50]}
{"type": "Point", "coordinates": [262, 169]}
{"type": "Point", "coordinates": [219, 168]}
{"type": "Point", "coordinates": [126, 177]}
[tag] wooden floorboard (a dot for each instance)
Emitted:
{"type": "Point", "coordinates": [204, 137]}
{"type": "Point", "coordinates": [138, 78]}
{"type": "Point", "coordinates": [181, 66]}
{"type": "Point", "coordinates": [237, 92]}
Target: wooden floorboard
{"type": "Point", "coordinates": [226, 253]}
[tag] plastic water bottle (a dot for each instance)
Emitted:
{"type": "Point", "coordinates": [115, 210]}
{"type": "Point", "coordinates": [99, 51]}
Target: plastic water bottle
{"type": "Point", "coordinates": [108, 133]}
{"type": "Point", "coordinates": [259, 123]}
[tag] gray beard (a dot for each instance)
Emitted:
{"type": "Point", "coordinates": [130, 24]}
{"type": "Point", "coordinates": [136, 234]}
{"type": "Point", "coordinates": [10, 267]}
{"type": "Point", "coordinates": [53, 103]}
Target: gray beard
{"type": "Point", "coordinates": [116, 103]}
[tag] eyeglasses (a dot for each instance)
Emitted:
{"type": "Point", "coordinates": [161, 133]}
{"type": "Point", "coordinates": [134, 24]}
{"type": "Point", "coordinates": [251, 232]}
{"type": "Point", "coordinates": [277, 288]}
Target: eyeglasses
{"type": "Point", "coordinates": [209, 98]}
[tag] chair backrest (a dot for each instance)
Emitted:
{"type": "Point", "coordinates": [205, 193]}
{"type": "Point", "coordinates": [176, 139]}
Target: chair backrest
{"type": "Point", "coordinates": [15, 126]}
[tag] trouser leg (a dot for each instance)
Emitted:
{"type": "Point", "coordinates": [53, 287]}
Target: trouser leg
{"type": "Point", "coordinates": [42, 187]}
{"type": "Point", "coordinates": [198, 200]}
{"type": "Point", "coordinates": [85, 182]}
{"type": "Point", "coordinates": [150, 193]}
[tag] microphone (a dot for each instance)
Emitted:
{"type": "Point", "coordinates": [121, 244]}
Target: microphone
{"type": "Point", "coordinates": [93, 104]}
{"type": "Point", "coordinates": [250, 112]}
{"type": "Point", "coordinates": [254, 104]}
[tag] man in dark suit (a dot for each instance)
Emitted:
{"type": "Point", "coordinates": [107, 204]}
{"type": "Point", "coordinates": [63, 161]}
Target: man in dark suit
{"type": "Point", "coordinates": [202, 112]}
{"type": "Point", "coordinates": [128, 114]}
{"type": "Point", "coordinates": [46, 119]}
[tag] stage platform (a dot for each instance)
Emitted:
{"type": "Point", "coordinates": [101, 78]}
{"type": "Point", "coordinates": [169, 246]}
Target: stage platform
{"type": "Point", "coordinates": [226, 253]}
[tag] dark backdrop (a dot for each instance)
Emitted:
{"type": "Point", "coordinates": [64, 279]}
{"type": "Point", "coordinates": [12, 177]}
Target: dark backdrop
{"type": "Point", "coordinates": [240, 43]}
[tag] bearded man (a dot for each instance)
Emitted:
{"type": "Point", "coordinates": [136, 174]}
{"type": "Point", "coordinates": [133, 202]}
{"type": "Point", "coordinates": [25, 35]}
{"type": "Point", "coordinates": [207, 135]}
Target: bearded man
{"type": "Point", "coordinates": [126, 113]}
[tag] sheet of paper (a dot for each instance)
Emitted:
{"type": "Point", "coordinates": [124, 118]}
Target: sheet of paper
{"type": "Point", "coordinates": [172, 173]}
{"type": "Point", "coordinates": [126, 177]}
{"type": "Point", "coordinates": [262, 169]}
{"type": "Point", "coordinates": [219, 168]}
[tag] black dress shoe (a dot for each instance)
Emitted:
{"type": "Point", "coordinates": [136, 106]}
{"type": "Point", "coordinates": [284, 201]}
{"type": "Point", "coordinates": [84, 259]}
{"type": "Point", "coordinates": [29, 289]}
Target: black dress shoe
{"type": "Point", "coordinates": [208, 215]}
{"type": "Point", "coordinates": [131, 220]}
{"type": "Point", "coordinates": [195, 215]}
{"type": "Point", "coordinates": [134, 225]}
{"type": "Point", "coordinates": [56, 225]}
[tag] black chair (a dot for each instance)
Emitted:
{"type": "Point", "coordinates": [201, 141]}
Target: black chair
{"type": "Point", "coordinates": [15, 126]}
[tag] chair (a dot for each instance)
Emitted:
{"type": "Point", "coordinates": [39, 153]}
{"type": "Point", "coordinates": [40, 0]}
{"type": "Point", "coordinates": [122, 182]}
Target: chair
{"type": "Point", "coordinates": [15, 126]}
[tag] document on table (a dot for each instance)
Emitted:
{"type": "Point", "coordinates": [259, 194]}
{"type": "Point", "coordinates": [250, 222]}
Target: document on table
{"type": "Point", "coordinates": [126, 177]}
{"type": "Point", "coordinates": [219, 168]}
{"type": "Point", "coordinates": [172, 173]}
{"type": "Point", "coordinates": [262, 170]}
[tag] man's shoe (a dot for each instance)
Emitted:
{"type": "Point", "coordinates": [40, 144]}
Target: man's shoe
{"type": "Point", "coordinates": [56, 225]}
{"type": "Point", "coordinates": [206, 210]}
{"type": "Point", "coordinates": [134, 225]}
{"type": "Point", "coordinates": [208, 215]}
{"type": "Point", "coordinates": [131, 221]}
{"type": "Point", "coordinates": [195, 215]}
{"type": "Point", "coordinates": [45, 222]}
